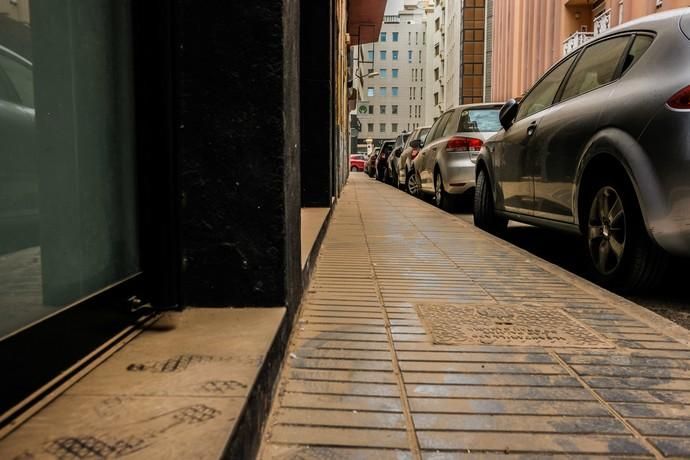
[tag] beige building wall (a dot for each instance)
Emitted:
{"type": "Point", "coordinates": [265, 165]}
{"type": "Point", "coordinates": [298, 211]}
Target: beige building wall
{"type": "Point", "coordinates": [528, 35]}
{"type": "Point", "coordinates": [16, 9]}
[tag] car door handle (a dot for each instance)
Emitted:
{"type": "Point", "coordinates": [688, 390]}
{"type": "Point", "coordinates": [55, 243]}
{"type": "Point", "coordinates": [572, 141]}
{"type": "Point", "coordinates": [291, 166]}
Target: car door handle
{"type": "Point", "coordinates": [531, 129]}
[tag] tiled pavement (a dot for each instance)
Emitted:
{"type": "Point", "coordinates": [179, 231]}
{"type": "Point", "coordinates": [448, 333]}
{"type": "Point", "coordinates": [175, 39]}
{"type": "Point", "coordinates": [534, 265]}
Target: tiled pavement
{"type": "Point", "coordinates": [514, 357]}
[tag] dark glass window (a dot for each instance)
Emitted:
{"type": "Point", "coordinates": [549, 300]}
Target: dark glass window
{"type": "Point", "coordinates": [596, 67]}
{"type": "Point", "coordinates": [541, 96]}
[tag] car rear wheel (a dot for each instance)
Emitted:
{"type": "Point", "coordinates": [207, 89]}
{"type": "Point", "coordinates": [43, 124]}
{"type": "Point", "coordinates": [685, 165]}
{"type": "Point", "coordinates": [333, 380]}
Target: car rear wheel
{"type": "Point", "coordinates": [353, 168]}
{"type": "Point", "coordinates": [442, 199]}
{"type": "Point", "coordinates": [413, 187]}
{"type": "Point", "coordinates": [622, 255]}
{"type": "Point", "coordinates": [484, 211]}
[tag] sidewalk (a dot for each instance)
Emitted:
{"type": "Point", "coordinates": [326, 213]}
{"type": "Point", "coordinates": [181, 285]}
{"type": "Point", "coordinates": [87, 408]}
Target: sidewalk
{"type": "Point", "coordinates": [422, 337]}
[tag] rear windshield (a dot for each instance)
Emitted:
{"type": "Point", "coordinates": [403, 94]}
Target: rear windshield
{"type": "Point", "coordinates": [479, 120]}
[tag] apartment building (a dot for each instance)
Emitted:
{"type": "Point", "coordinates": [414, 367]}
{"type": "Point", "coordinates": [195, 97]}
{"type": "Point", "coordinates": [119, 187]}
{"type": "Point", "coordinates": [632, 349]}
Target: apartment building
{"type": "Point", "coordinates": [389, 76]}
{"type": "Point", "coordinates": [528, 36]}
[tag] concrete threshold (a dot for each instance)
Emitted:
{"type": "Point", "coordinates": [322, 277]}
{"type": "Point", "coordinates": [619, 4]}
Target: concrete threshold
{"type": "Point", "coordinates": [421, 336]}
{"type": "Point", "coordinates": [185, 387]}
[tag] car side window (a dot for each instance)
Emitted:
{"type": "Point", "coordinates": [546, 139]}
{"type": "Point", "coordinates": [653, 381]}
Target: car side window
{"type": "Point", "coordinates": [637, 49]}
{"type": "Point", "coordinates": [21, 78]}
{"type": "Point", "coordinates": [541, 96]}
{"type": "Point", "coordinates": [438, 127]}
{"type": "Point", "coordinates": [452, 125]}
{"type": "Point", "coordinates": [596, 67]}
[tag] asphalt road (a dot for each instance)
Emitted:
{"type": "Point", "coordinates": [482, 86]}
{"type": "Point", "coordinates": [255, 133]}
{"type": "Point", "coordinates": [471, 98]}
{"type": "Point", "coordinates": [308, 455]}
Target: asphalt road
{"type": "Point", "coordinates": [671, 299]}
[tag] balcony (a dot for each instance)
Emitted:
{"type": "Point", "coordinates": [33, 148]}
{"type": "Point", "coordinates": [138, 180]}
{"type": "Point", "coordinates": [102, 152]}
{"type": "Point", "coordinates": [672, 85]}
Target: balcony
{"type": "Point", "coordinates": [391, 19]}
{"type": "Point", "coordinates": [575, 41]}
{"type": "Point", "coordinates": [602, 22]}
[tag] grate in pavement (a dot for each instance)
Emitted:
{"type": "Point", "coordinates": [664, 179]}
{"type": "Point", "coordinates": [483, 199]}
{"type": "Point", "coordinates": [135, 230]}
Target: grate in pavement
{"type": "Point", "coordinates": [496, 324]}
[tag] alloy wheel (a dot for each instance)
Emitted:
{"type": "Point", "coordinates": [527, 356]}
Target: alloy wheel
{"type": "Point", "coordinates": [606, 230]}
{"type": "Point", "coordinates": [438, 190]}
{"type": "Point", "coordinates": [413, 183]}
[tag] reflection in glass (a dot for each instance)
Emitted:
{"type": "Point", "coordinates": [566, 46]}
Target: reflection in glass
{"type": "Point", "coordinates": [67, 204]}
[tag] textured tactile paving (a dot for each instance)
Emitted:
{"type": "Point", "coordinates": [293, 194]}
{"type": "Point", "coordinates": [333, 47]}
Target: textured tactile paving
{"type": "Point", "coordinates": [496, 324]}
{"type": "Point", "coordinates": [578, 372]}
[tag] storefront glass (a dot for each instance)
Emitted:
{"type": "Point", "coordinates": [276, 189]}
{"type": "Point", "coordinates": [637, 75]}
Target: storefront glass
{"type": "Point", "coordinates": [68, 224]}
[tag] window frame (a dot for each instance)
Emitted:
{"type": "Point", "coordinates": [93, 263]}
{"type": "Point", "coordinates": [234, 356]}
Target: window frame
{"type": "Point", "coordinates": [617, 74]}
{"type": "Point", "coordinates": [553, 68]}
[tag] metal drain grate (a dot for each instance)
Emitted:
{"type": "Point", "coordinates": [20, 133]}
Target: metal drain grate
{"type": "Point", "coordinates": [495, 324]}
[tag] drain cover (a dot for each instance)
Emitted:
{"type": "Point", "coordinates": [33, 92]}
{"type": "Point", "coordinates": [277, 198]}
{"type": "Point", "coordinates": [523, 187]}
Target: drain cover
{"type": "Point", "coordinates": [497, 324]}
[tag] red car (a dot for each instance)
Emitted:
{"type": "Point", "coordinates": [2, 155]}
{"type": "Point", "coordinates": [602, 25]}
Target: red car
{"type": "Point", "coordinates": [357, 162]}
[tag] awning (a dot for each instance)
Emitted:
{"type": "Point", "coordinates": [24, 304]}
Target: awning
{"type": "Point", "coordinates": [364, 19]}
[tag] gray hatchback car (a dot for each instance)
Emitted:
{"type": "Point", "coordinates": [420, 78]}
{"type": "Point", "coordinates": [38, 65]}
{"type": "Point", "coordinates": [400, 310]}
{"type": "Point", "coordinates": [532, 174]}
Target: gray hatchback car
{"type": "Point", "coordinates": [600, 145]}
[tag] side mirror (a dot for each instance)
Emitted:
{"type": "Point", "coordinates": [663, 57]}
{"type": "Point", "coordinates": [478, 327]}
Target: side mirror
{"type": "Point", "coordinates": [507, 113]}
{"type": "Point", "coordinates": [416, 144]}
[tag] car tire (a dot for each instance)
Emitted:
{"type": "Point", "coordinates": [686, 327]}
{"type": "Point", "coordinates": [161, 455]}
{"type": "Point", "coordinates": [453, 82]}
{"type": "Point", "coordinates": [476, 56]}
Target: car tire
{"type": "Point", "coordinates": [621, 254]}
{"type": "Point", "coordinates": [353, 169]}
{"type": "Point", "coordinates": [484, 209]}
{"type": "Point", "coordinates": [412, 184]}
{"type": "Point", "coordinates": [442, 199]}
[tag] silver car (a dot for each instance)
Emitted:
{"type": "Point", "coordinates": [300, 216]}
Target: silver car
{"type": "Point", "coordinates": [599, 146]}
{"type": "Point", "coordinates": [409, 153]}
{"type": "Point", "coordinates": [445, 166]}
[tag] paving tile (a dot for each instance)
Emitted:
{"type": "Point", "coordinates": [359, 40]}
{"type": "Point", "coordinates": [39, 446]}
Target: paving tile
{"type": "Point", "coordinates": [366, 379]}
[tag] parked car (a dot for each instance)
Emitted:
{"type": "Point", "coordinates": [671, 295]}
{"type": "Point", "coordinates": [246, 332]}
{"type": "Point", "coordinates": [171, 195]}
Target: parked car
{"type": "Point", "coordinates": [409, 153]}
{"type": "Point", "coordinates": [357, 162]}
{"type": "Point", "coordinates": [445, 166]}
{"type": "Point", "coordinates": [599, 146]}
{"type": "Point", "coordinates": [398, 147]}
{"type": "Point", "coordinates": [370, 167]}
{"type": "Point", "coordinates": [382, 160]}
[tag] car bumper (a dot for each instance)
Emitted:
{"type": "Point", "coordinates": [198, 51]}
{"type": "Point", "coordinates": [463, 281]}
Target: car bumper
{"type": "Point", "coordinates": [459, 176]}
{"type": "Point", "coordinates": [672, 232]}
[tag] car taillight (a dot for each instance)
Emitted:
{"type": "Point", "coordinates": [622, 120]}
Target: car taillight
{"type": "Point", "coordinates": [414, 153]}
{"type": "Point", "coordinates": [463, 144]}
{"type": "Point", "coordinates": [680, 100]}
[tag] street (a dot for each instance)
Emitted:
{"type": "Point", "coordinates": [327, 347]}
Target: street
{"type": "Point", "coordinates": [670, 300]}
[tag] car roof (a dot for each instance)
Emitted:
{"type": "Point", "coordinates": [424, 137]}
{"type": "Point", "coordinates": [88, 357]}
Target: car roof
{"type": "Point", "coordinates": [655, 21]}
{"type": "Point", "coordinates": [480, 105]}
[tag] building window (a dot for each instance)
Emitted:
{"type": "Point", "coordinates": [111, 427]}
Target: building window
{"type": "Point", "coordinates": [423, 38]}
{"type": "Point", "coordinates": [421, 93]}
{"type": "Point", "coordinates": [383, 73]}
{"type": "Point", "coordinates": [370, 127]}
{"type": "Point", "coordinates": [435, 98]}
{"type": "Point", "coordinates": [421, 74]}
{"type": "Point", "coordinates": [371, 92]}
{"type": "Point", "coordinates": [416, 38]}
{"type": "Point", "coordinates": [409, 38]}
{"type": "Point", "coordinates": [382, 91]}
{"type": "Point", "coordinates": [382, 109]}
{"type": "Point", "coordinates": [395, 36]}
{"type": "Point", "coordinates": [383, 36]}
{"type": "Point", "coordinates": [437, 24]}
{"type": "Point", "coordinates": [370, 55]}
{"type": "Point", "coordinates": [395, 73]}
{"type": "Point", "coordinates": [394, 91]}
{"type": "Point", "coordinates": [419, 56]}
{"type": "Point", "coordinates": [382, 127]}
{"type": "Point", "coordinates": [394, 127]}
{"type": "Point", "coordinates": [382, 55]}
{"type": "Point", "coordinates": [394, 55]}
{"type": "Point", "coordinates": [436, 74]}
{"type": "Point", "coordinates": [394, 109]}
{"type": "Point", "coordinates": [436, 49]}
{"type": "Point", "coordinates": [371, 110]}
{"type": "Point", "coordinates": [409, 56]}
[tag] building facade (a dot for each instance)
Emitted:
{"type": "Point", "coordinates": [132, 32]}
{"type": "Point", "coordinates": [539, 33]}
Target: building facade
{"type": "Point", "coordinates": [522, 48]}
{"type": "Point", "coordinates": [389, 77]}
